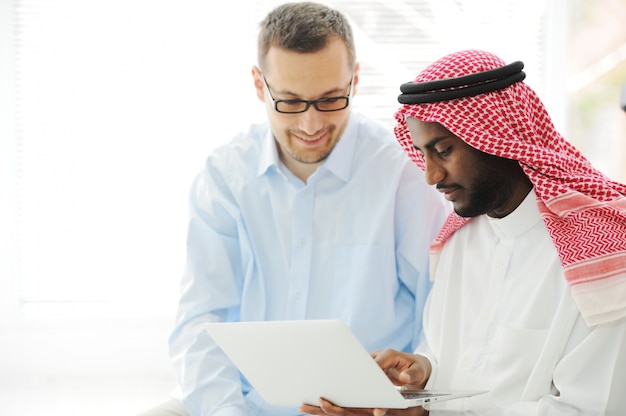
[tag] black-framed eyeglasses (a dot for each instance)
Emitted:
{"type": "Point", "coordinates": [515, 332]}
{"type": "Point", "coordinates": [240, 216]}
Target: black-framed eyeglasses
{"type": "Point", "coordinates": [325, 105]}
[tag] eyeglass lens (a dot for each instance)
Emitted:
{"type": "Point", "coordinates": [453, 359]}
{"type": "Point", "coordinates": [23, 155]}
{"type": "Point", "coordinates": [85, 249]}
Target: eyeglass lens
{"type": "Point", "coordinates": [323, 104]}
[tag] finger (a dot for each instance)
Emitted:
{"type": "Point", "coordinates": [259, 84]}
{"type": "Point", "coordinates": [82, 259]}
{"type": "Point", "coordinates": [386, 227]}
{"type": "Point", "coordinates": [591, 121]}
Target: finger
{"type": "Point", "coordinates": [331, 409]}
{"type": "Point", "coordinates": [410, 376]}
{"type": "Point", "coordinates": [394, 375]}
{"type": "Point", "coordinates": [309, 409]}
{"type": "Point", "coordinates": [392, 359]}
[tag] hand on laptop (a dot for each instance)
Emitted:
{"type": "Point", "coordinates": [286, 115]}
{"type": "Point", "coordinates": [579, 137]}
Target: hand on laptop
{"type": "Point", "coordinates": [327, 408]}
{"type": "Point", "coordinates": [404, 369]}
{"type": "Point", "coordinates": [409, 370]}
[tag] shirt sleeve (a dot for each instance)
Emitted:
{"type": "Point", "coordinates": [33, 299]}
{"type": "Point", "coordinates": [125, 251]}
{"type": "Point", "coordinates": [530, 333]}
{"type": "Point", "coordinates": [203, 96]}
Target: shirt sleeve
{"type": "Point", "coordinates": [209, 293]}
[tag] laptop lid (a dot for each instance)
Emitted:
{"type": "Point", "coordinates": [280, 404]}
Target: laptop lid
{"type": "Point", "coordinates": [291, 363]}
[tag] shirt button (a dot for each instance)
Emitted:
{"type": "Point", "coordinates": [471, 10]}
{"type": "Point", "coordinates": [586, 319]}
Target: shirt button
{"type": "Point", "coordinates": [297, 294]}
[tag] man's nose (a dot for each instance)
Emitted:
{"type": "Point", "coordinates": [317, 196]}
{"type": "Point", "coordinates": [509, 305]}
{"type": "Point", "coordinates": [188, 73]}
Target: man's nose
{"type": "Point", "coordinates": [311, 121]}
{"type": "Point", "coordinates": [434, 173]}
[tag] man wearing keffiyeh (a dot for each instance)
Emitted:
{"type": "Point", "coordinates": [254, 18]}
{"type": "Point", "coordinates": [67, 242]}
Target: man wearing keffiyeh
{"type": "Point", "coordinates": [529, 295]}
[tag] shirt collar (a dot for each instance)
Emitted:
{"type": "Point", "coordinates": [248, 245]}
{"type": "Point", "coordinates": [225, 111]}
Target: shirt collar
{"type": "Point", "coordinates": [339, 162]}
{"type": "Point", "coordinates": [269, 153]}
{"type": "Point", "coordinates": [525, 217]}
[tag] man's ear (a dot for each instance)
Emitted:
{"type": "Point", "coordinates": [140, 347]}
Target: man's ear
{"type": "Point", "coordinates": [257, 78]}
{"type": "Point", "coordinates": [355, 82]}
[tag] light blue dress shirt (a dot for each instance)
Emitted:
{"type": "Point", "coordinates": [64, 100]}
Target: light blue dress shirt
{"type": "Point", "coordinates": [352, 244]}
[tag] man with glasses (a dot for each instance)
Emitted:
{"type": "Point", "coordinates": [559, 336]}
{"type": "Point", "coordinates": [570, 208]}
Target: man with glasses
{"type": "Point", "coordinates": [315, 214]}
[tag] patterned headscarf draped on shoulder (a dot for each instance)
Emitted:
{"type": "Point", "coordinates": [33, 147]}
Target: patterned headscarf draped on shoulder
{"type": "Point", "coordinates": [584, 211]}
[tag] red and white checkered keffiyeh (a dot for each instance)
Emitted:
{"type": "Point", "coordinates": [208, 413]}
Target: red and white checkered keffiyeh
{"type": "Point", "coordinates": [584, 211]}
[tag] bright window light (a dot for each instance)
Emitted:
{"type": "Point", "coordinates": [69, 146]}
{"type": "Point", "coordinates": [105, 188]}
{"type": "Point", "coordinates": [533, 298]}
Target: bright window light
{"type": "Point", "coordinates": [119, 102]}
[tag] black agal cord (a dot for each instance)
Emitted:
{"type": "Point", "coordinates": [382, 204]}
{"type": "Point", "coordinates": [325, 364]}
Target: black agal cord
{"type": "Point", "coordinates": [459, 87]}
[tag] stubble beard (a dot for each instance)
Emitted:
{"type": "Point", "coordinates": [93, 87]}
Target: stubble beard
{"type": "Point", "coordinates": [491, 189]}
{"type": "Point", "coordinates": [311, 156]}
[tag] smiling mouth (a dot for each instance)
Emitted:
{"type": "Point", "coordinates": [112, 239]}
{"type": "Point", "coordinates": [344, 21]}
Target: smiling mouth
{"type": "Point", "coordinates": [311, 140]}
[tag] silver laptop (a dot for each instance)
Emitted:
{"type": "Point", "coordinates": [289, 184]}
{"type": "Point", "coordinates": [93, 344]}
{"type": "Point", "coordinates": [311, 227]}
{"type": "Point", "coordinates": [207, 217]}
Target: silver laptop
{"type": "Point", "coordinates": [291, 363]}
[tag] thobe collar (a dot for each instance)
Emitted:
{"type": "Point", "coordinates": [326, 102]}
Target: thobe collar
{"type": "Point", "coordinates": [525, 217]}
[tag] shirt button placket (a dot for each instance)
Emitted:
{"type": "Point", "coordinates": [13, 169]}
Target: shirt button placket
{"type": "Point", "coordinates": [302, 237]}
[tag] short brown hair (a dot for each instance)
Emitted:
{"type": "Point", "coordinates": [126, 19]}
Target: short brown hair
{"type": "Point", "coordinates": [303, 27]}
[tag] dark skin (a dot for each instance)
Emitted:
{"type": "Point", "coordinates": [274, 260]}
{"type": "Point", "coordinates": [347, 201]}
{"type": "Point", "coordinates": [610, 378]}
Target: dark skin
{"type": "Point", "coordinates": [477, 184]}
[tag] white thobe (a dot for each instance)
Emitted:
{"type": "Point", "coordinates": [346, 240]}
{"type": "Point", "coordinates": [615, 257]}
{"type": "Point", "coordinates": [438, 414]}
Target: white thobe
{"type": "Point", "coordinates": [500, 317]}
